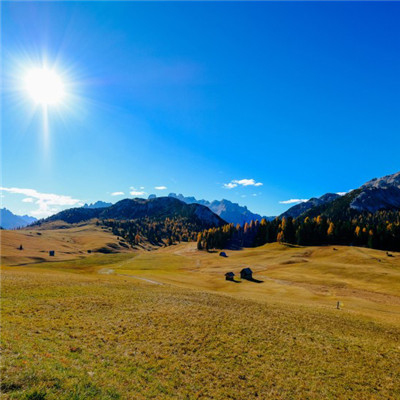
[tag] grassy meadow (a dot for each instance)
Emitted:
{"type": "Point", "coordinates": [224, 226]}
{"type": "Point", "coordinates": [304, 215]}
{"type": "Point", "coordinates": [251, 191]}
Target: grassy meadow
{"type": "Point", "coordinates": [165, 324]}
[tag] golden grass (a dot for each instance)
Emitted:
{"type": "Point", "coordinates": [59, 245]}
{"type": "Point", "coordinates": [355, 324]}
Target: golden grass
{"type": "Point", "coordinates": [366, 281]}
{"type": "Point", "coordinates": [75, 336]}
{"type": "Point", "coordinates": [68, 243]}
{"type": "Point", "coordinates": [98, 327]}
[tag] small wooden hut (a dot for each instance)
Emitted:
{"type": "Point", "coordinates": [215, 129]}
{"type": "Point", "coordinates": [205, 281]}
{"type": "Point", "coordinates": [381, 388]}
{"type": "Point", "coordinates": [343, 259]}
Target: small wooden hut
{"type": "Point", "coordinates": [229, 276]}
{"type": "Point", "coordinates": [246, 273]}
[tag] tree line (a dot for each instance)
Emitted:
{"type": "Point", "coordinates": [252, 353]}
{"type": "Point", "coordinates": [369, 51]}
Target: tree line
{"type": "Point", "coordinates": [380, 230]}
{"type": "Point", "coordinates": [158, 232]}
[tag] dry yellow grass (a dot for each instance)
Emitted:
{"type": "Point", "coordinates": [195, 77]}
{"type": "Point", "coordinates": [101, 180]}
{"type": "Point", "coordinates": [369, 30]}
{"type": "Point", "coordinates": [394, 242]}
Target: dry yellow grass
{"type": "Point", "coordinates": [68, 243]}
{"type": "Point", "coordinates": [100, 327]}
{"type": "Point", "coordinates": [366, 281]}
{"type": "Point", "coordinates": [77, 336]}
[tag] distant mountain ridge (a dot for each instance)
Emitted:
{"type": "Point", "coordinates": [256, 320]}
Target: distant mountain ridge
{"type": "Point", "coordinates": [379, 194]}
{"type": "Point", "coordinates": [301, 208]}
{"type": "Point", "coordinates": [228, 211]}
{"type": "Point", "coordinates": [9, 220]}
{"type": "Point", "coordinates": [97, 204]}
{"type": "Point", "coordinates": [375, 195]}
{"type": "Point", "coordinates": [129, 209]}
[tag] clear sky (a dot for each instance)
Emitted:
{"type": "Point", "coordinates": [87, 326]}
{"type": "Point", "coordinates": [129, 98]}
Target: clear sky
{"type": "Point", "coordinates": [258, 102]}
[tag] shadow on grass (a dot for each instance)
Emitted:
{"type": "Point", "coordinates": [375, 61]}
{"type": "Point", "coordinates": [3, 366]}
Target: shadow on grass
{"type": "Point", "coordinates": [253, 280]}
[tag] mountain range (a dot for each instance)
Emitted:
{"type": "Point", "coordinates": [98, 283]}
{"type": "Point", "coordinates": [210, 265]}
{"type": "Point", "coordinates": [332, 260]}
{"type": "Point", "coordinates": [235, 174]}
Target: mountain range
{"type": "Point", "coordinates": [8, 220]}
{"type": "Point", "coordinates": [301, 208]}
{"type": "Point", "coordinates": [376, 195]}
{"type": "Point", "coordinates": [228, 211]}
{"type": "Point", "coordinates": [97, 204]}
{"type": "Point", "coordinates": [156, 208]}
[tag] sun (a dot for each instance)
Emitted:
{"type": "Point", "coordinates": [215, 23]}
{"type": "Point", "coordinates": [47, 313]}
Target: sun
{"type": "Point", "coordinates": [44, 86]}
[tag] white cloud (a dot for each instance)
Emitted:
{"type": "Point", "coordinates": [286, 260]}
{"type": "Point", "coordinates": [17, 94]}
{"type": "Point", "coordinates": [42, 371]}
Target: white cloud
{"type": "Point", "coordinates": [230, 185]}
{"type": "Point", "coordinates": [242, 182]}
{"type": "Point", "coordinates": [292, 201]}
{"type": "Point", "coordinates": [137, 193]}
{"type": "Point", "coordinates": [27, 200]}
{"type": "Point", "coordinates": [343, 193]}
{"type": "Point", "coordinates": [160, 187]}
{"type": "Point", "coordinates": [248, 182]}
{"type": "Point", "coordinates": [48, 203]}
{"type": "Point", "coordinates": [117, 193]}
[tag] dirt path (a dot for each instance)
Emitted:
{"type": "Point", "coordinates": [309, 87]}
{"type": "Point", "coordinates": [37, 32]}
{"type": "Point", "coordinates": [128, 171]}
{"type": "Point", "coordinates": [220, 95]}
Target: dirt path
{"type": "Point", "coordinates": [110, 271]}
{"type": "Point", "coordinates": [142, 279]}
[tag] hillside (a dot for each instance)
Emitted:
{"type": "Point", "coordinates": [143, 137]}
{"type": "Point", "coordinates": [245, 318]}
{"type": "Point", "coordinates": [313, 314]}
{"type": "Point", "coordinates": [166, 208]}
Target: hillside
{"type": "Point", "coordinates": [142, 223]}
{"type": "Point", "coordinates": [367, 199]}
{"type": "Point", "coordinates": [367, 280]}
{"type": "Point", "coordinates": [376, 195]}
{"type": "Point", "coordinates": [69, 241]}
{"type": "Point", "coordinates": [338, 209]}
{"type": "Point", "coordinates": [379, 194]}
{"type": "Point", "coordinates": [130, 209]}
{"type": "Point", "coordinates": [301, 208]}
{"type": "Point", "coordinates": [134, 325]}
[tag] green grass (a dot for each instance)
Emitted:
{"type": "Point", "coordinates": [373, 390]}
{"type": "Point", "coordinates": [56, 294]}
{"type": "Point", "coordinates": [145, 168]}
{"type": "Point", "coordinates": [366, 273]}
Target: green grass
{"type": "Point", "coordinates": [91, 336]}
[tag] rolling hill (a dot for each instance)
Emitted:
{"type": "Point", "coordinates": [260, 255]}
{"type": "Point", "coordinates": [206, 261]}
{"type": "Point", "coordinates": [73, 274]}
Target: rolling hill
{"type": "Point", "coordinates": [68, 241]}
{"type": "Point", "coordinates": [316, 322]}
{"type": "Point", "coordinates": [166, 324]}
{"type": "Point", "coordinates": [130, 209]}
{"type": "Point", "coordinates": [142, 223]}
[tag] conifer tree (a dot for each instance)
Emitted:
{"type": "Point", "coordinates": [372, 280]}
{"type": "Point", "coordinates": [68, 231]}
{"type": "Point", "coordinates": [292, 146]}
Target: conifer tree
{"type": "Point", "coordinates": [331, 229]}
{"type": "Point", "coordinates": [199, 238]}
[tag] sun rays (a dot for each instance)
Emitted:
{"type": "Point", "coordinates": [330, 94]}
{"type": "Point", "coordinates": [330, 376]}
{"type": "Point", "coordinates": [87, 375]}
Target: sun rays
{"type": "Point", "coordinates": [44, 86]}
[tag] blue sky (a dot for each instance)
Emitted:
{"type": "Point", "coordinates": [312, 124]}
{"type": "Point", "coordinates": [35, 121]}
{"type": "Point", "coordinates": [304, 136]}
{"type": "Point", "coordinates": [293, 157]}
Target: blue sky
{"type": "Point", "coordinates": [256, 102]}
